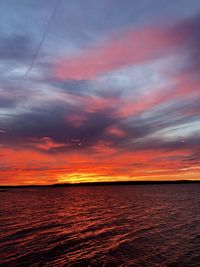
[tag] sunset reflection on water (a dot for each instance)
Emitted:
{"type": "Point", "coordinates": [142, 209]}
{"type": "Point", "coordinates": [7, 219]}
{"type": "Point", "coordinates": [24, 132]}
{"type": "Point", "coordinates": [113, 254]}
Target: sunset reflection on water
{"type": "Point", "coordinates": [140, 225]}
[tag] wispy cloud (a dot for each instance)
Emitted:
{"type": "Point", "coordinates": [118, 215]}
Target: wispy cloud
{"type": "Point", "coordinates": [123, 105]}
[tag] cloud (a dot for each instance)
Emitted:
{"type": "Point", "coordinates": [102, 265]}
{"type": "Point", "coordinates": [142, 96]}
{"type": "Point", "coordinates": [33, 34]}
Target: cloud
{"type": "Point", "coordinates": [56, 123]}
{"type": "Point", "coordinates": [60, 127]}
{"type": "Point", "coordinates": [188, 32]}
{"type": "Point", "coordinates": [99, 114]}
{"type": "Point", "coordinates": [133, 47]}
{"type": "Point", "coordinates": [127, 48]}
{"type": "Point", "coordinates": [15, 47]}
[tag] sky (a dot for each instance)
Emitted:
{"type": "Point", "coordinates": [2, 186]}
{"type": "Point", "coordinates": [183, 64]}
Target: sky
{"type": "Point", "coordinates": [99, 91]}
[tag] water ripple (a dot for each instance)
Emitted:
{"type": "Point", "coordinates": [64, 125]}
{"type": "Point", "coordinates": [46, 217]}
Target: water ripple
{"type": "Point", "coordinates": [101, 226]}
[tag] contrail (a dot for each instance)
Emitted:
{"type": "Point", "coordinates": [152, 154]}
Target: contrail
{"type": "Point", "coordinates": [43, 36]}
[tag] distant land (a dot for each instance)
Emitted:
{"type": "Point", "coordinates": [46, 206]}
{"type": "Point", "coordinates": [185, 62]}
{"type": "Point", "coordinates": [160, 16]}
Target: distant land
{"type": "Point", "coordinates": [106, 183]}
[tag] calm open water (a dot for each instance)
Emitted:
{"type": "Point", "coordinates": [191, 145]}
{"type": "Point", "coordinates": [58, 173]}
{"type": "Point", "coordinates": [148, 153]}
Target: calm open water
{"type": "Point", "coordinates": [134, 225]}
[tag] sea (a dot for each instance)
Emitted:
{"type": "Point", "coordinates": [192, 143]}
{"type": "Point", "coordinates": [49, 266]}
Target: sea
{"type": "Point", "coordinates": [114, 225]}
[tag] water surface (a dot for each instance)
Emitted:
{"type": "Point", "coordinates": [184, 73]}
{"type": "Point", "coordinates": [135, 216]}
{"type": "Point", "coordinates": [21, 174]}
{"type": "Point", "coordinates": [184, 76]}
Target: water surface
{"type": "Point", "coordinates": [134, 225]}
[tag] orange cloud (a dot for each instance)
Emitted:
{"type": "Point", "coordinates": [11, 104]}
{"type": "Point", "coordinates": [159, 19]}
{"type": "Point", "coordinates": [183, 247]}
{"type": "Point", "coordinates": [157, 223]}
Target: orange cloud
{"type": "Point", "coordinates": [29, 167]}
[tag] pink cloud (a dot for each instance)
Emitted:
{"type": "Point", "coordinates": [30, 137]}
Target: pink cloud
{"type": "Point", "coordinates": [116, 131]}
{"type": "Point", "coordinates": [130, 47]}
{"type": "Point", "coordinates": [182, 87]}
{"type": "Point", "coordinates": [46, 143]}
{"type": "Point", "coordinates": [76, 120]}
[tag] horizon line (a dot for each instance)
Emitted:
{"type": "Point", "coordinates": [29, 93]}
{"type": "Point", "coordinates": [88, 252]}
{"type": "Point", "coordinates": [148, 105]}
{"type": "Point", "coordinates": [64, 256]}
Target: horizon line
{"type": "Point", "coordinates": [136, 182]}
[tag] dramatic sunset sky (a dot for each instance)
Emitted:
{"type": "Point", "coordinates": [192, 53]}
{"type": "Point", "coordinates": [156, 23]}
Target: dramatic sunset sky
{"type": "Point", "coordinates": [99, 90]}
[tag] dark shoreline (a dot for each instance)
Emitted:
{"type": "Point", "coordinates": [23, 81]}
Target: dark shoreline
{"type": "Point", "coordinates": [105, 184]}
